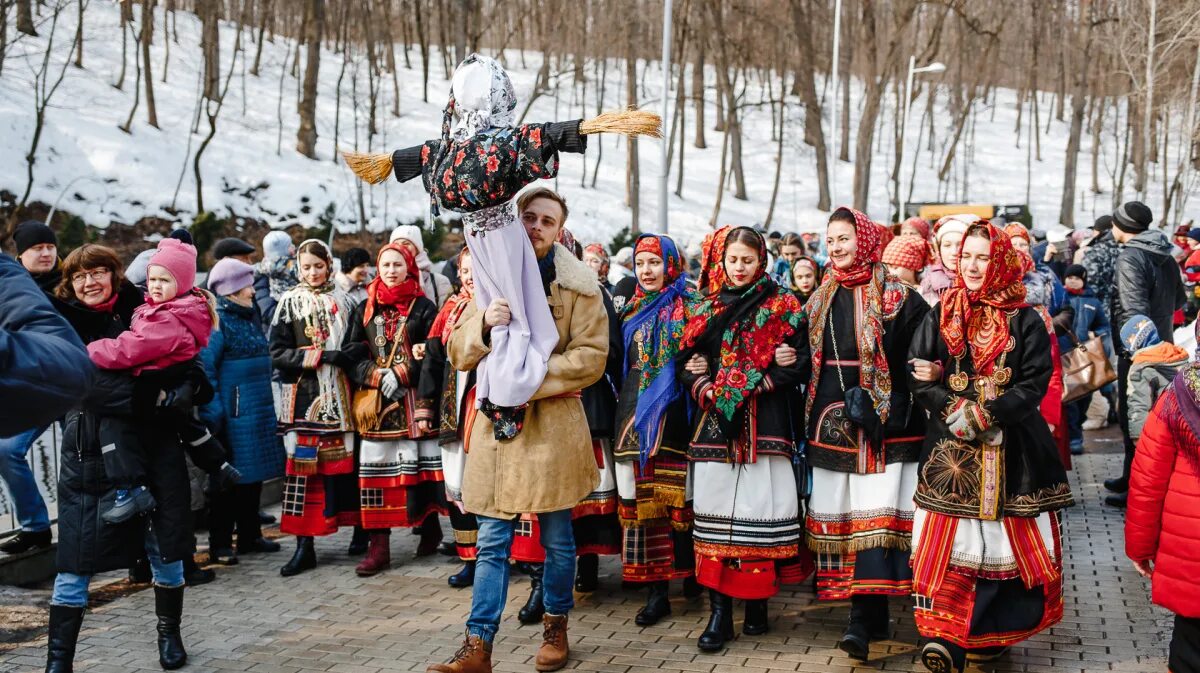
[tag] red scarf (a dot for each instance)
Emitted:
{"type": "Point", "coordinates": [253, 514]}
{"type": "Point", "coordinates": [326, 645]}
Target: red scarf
{"type": "Point", "coordinates": [979, 317]}
{"type": "Point", "coordinates": [107, 305]}
{"type": "Point", "coordinates": [448, 316]}
{"type": "Point", "coordinates": [712, 269]}
{"type": "Point", "coordinates": [400, 297]}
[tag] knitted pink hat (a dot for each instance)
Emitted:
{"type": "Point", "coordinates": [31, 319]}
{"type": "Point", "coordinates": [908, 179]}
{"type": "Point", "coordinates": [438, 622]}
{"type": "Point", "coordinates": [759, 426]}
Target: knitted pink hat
{"type": "Point", "coordinates": [179, 259]}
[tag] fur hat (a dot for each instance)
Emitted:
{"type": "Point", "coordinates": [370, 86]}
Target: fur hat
{"type": "Point", "coordinates": [179, 259]}
{"type": "Point", "coordinates": [354, 258]}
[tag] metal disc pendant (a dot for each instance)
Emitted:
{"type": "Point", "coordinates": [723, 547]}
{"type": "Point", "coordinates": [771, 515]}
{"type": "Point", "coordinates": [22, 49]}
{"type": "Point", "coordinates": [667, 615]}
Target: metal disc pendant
{"type": "Point", "coordinates": [380, 340]}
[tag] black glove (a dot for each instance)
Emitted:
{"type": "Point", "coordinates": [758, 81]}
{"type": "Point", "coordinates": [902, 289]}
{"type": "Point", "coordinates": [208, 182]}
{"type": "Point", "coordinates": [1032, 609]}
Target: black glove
{"type": "Point", "coordinates": [336, 358]}
{"type": "Point", "coordinates": [227, 476]}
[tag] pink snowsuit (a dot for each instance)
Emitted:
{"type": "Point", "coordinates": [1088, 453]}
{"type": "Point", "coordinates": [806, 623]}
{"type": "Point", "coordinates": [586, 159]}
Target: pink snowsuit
{"type": "Point", "coordinates": [161, 335]}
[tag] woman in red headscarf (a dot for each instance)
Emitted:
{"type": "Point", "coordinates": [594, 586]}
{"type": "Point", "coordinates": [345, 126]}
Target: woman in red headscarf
{"type": "Point", "coordinates": [864, 436]}
{"type": "Point", "coordinates": [987, 552]}
{"type": "Point", "coordinates": [399, 464]}
{"type": "Point", "coordinates": [742, 354]}
{"type": "Point", "coordinates": [445, 403]}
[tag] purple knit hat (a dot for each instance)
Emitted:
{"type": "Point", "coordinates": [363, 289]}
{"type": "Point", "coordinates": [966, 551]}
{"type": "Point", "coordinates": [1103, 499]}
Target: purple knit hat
{"type": "Point", "coordinates": [230, 276]}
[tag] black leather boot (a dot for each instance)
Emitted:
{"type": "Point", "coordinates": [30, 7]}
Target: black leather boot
{"type": "Point", "coordinates": [658, 604]}
{"type": "Point", "coordinates": [168, 605]}
{"type": "Point", "coordinates": [534, 607]}
{"type": "Point", "coordinates": [463, 578]}
{"type": "Point", "coordinates": [856, 639]}
{"type": "Point", "coordinates": [692, 588]}
{"type": "Point", "coordinates": [879, 621]}
{"type": "Point", "coordinates": [587, 573]}
{"type": "Point", "coordinates": [359, 541]}
{"type": "Point", "coordinates": [720, 623]}
{"type": "Point", "coordinates": [756, 618]}
{"type": "Point", "coordinates": [305, 558]}
{"type": "Point", "coordinates": [64, 632]}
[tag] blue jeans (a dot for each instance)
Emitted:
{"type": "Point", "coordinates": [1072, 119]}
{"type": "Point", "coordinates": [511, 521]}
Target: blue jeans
{"type": "Point", "coordinates": [490, 590]}
{"type": "Point", "coordinates": [71, 590]}
{"type": "Point", "coordinates": [15, 472]}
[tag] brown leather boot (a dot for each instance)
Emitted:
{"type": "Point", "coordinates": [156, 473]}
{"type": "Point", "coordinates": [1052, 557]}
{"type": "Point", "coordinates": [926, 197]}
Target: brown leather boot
{"type": "Point", "coordinates": [379, 555]}
{"type": "Point", "coordinates": [475, 656]}
{"type": "Point", "coordinates": [553, 653]}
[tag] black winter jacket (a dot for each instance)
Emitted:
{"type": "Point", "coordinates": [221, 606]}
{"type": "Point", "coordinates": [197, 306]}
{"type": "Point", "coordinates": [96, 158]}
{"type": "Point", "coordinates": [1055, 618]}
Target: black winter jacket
{"type": "Point", "coordinates": [86, 544]}
{"type": "Point", "coordinates": [1147, 282]}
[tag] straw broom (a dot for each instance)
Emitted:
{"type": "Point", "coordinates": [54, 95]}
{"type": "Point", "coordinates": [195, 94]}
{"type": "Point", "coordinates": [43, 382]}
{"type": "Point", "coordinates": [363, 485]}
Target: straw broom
{"type": "Point", "coordinates": [375, 168]}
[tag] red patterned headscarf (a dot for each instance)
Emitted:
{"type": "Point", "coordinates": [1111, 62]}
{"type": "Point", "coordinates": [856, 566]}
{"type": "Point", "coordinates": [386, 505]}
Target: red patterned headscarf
{"type": "Point", "coordinates": [978, 318]}
{"type": "Point", "coordinates": [712, 266]}
{"type": "Point", "coordinates": [443, 324]}
{"type": "Point", "coordinates": [882, 297]}
{"type": "Point", "coordinates": [869, 250]}
{"type": "Point", "coordinates": [599, 251]}
{"type": "Point", "coordinates": [400, 296]}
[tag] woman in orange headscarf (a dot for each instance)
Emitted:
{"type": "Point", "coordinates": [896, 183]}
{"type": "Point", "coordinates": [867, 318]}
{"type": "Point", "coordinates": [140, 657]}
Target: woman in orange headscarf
{"type": "Point", "coordinates": [987, 551]}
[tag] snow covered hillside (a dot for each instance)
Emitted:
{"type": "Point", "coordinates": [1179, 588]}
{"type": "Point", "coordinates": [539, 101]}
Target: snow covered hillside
{"type": "Point", "coordinates": [252, 169]}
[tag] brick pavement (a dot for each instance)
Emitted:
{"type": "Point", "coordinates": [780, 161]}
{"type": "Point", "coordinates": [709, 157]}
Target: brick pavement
{"type": "Point", "coordinates": [251, 619]}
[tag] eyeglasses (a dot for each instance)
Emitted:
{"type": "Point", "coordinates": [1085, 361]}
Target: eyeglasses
{"type": "Point", "coordinates": [95, 274]}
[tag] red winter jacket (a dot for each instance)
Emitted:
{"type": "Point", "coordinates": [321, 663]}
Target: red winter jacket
{"type": "Point", "coordinates": [1163, 519]}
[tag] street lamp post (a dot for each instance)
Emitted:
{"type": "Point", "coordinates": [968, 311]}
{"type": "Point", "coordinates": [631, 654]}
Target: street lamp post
{"type": "Point", "coordinates": [912, 70]}
{"type": "Point", "coordinates": [837, 100]}
{"type": "Point", "coordinates": [664, 170]}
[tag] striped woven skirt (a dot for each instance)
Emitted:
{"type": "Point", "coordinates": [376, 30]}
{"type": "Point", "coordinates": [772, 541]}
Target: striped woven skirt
{"type": "Point", "coordinates": [986, 584]}
{"type": "Point", "coordinates": [320, 488]}
{"type": "Point", "coordinates": [655, 508]}
{"type": "Point", "coordinates": [400, 482]}
{"type": "Point", "coordinates": [859, 526]}
{"type": "Point", "coordinates": [747, 528]}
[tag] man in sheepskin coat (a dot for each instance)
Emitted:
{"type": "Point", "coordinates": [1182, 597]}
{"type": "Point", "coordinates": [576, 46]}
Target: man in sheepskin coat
{"type": "Point", "coordinates": [537, 458]}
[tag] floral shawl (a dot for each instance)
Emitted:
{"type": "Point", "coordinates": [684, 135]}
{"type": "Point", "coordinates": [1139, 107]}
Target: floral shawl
{"type": "Point", "coordinates": [749, 323]}
{"type": "Point", "coordinates": [712, 266]}
{"type": "Point", "coordinates": [658, 317]}
{"type": "Point", "coordinates": [884, 298]}
{"type": "Point", "coordinates": [979, 318]}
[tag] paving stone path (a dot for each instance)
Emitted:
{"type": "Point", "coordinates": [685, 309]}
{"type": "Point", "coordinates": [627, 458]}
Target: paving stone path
{"type": "Point", "coordinates": [251, 619]}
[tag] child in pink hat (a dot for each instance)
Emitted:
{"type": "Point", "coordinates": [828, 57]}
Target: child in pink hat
{"type": "Point", "coordinates": [167, 333]}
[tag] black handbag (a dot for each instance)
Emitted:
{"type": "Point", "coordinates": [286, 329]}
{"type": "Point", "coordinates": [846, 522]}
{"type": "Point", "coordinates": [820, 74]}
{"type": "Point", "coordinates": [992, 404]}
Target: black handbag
{"type": "Point", "coordinates": [858, 406]}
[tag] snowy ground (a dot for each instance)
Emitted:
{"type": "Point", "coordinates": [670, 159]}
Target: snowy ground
{"type": "Point", "coordinates": [108, 176]}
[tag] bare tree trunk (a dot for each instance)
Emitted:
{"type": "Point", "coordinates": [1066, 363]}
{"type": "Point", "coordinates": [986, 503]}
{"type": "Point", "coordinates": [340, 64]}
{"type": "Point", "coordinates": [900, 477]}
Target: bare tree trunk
{"type": "Point", "coordinates": [1066, 213]}
{"type": "Point", "coordinates": [25, 18]}
{"type": "Point", "coordinates": [264, 11]}
{"type": "Point", "coordinates": [698, 93]}
{"type": "Point", "coordinates": [306, 136]}
{"type": "Point", "coordinates": [82, 4]}
{"type": "Point", "coordinates": [778, 151]}
{"type": "Point", "coordinates": [423, 36]}
{"type": "Point", "coordinates": [1098, 106]}
{"type": "Point", "coordinates": [210, 38]}
{"type": "Point", "coordinates": [148, 78]}
{"type": "Point", "coordinates": [137, 77]}
{"type": "Point", "coordinates": [814, 134]}
{"type": "Point", "coordinates": [126, 18]}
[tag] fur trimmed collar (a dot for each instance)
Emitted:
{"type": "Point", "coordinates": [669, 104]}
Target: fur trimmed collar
{"type": "Point", "coordinates": [572, 274]}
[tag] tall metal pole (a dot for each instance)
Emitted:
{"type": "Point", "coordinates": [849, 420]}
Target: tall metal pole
{"type": "Point", "coordinates": [664, 170]}
{"type": "Point", "coordinates": [837, 102]}
{"type": "Point", "coordinates": [901, 197]}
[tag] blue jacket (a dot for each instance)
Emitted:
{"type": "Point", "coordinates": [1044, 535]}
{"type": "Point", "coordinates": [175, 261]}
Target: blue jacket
{"type": "Point", "coordinates": [44, 369]}
{"type": "Point", "coordinates": [243, 412]}
{"type": "Point", "coordinates": [1089, 318]}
